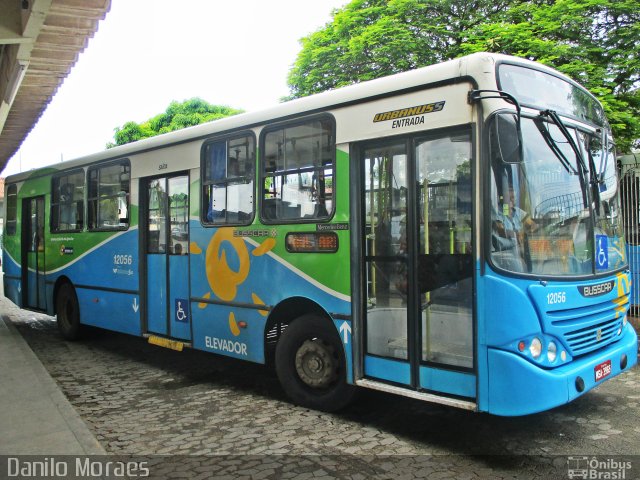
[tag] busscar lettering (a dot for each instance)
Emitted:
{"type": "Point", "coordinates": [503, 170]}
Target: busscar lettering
{"type": "Point", "coordinates": [254, 233]}
{"type": "Point", "coordinates": [595, 290]}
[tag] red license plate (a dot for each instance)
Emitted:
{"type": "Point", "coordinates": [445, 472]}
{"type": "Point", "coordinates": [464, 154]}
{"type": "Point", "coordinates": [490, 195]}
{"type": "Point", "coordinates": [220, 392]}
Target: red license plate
{"type": "Point", "coordinates": [603, 370]}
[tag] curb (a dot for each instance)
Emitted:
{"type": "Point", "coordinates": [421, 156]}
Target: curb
{"type": "Point", "coordinates": [36, 393]}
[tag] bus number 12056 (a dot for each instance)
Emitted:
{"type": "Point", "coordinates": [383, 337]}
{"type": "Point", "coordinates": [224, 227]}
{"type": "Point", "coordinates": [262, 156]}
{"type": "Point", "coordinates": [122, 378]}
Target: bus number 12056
{"type": "Point", "coordinates": [556, 297]}
{"type": "Point", "coordinates": [123, 259]}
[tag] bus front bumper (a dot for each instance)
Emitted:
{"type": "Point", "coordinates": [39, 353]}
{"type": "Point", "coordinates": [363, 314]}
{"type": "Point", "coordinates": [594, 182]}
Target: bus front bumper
{"type": "Point", "coordinates": [519, 387]}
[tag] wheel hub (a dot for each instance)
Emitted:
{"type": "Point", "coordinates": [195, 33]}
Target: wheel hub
{"type": "Point", "coordinates": [315, 363]}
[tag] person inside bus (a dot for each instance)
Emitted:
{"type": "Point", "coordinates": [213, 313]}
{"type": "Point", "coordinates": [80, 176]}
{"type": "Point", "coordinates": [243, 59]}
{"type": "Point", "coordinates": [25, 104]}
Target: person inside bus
{"type": "Point", "coordinates": [510, 223]}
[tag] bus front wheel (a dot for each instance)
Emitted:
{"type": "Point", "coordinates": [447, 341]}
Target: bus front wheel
{"type": "Point", "coordinates": [68, 312]}
{"type": "Point", "coordinates": [311, 366]}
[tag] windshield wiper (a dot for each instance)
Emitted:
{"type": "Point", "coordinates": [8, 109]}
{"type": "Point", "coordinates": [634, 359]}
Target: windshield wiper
{"type": "Point", "coordinates": [555, 119]}
{"type": "Point", "coordinates": [551, 142]}
{"type": "Point", "coordinates": [604, 142]}
{"type": "Point", "coordinates": [553, 116]}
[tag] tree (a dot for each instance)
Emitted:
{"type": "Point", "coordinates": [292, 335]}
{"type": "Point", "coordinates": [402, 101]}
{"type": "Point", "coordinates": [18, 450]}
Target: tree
{"type": "Point", "coordinates": [596, 42]}
{"type": "Point", "coordinates": [373, 38]}
{"type": "Point", "coordinates": [177, 116]}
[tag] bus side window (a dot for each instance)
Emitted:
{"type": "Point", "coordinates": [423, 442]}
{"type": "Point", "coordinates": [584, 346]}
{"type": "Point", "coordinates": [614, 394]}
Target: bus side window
{"type": "Point", "coordinates": [67, 201]}
{"type": "Point", "coordinates": [228, 172]}
{"type": "Point", "coordinates": [108, 196]}
{"type": "Point", "coordinates": [298, 170]}
{"type": "Point", "coordinates": [12, 209]}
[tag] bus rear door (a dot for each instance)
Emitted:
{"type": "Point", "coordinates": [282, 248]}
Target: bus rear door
{"type": "Point", "coordinates": [166, 251]}
{"type": "Point", "coordinates": [33, 266]}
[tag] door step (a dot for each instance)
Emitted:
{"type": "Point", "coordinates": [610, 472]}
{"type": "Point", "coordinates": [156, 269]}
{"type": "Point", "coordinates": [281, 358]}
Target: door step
{"type": "Point", "coordinates": [427, 397]}
{"type": "Point", "coordinates": [166, 342]}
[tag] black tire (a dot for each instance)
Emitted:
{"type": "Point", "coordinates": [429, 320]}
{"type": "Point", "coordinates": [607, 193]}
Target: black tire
{"type": "Point", "coordinates": [311, 366]}
{"type": "Point", "coordinates": [68, 312]}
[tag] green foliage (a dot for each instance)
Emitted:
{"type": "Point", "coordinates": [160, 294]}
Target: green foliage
{"type": "Point", "coordinates": [177, 116]}
{"type": "Point", "coordinates": [373, 38]}
{"type": "Point", "coordinates": [595, 42]}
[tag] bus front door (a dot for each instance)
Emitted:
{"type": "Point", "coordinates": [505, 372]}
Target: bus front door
{"type": "Point", "coordinates": [166, 220]}
{"type": "Point", "coordinates": [33, 271]}
{"type": "Point", "coordinates": [418, 264]}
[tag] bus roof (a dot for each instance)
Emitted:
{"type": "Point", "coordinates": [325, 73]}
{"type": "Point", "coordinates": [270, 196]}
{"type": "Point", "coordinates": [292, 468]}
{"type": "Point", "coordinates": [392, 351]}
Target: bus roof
{"type": "Point", "coordinates": [468, 66]}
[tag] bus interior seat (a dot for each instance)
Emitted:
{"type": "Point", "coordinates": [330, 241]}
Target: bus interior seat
{"type": "Point", "coordinates": [319, 211]}
{"type": "Point", "coordinates": [269, 209]}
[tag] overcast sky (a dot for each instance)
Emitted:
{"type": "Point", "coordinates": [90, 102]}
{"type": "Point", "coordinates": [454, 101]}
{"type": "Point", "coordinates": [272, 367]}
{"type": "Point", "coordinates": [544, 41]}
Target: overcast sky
{"type": "Point", "coordinates": [147, 53]}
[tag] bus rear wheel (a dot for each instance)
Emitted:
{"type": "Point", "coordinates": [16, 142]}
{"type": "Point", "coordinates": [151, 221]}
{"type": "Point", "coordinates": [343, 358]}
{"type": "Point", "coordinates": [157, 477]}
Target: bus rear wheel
{"type": "Point", "coordinates": [311, 366]}
{"type": "Point", "coordinates": [68, 312]}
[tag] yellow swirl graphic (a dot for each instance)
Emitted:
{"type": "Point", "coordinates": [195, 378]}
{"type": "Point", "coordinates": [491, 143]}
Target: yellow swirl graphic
{"type": "Point", "coordinates": [264, 247]}
{"type": "Point", "coordinates": [202, 304]}
{"type": "Point", "coordinates": [258, 301]}
{"type": "Point", "coordinates": [194, 248]}
{"type": "Point", "coordinates": [233, 325]}
{"type": "Point", "coordinates": [223, 279]}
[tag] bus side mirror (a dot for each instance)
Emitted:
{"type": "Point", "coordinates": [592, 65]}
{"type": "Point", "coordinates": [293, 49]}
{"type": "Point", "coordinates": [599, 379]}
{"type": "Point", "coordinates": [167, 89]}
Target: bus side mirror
{"type": "Point", "coordinates": [509, 138]}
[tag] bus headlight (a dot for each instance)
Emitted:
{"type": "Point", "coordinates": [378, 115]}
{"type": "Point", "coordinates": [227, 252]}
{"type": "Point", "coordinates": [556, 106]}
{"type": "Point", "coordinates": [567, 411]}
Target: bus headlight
{"type": "Point", "coordinates": [545, 350]}
{"type": "Point", "coordinates": [535, 348]}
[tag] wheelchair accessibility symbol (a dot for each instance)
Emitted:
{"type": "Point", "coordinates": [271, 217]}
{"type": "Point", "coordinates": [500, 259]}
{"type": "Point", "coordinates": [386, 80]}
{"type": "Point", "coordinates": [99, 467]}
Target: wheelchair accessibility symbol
{"type": "Point", "coordinates": [181, 314]}
{"type": "Point", "coordinates": [602, 252]}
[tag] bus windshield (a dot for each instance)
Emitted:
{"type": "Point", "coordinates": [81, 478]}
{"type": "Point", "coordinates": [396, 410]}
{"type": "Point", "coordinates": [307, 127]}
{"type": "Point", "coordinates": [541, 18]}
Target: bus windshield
{"type": "Point", "coordinates": [542, 90]}
{"type": "Point", "coordinates": [555, 213]}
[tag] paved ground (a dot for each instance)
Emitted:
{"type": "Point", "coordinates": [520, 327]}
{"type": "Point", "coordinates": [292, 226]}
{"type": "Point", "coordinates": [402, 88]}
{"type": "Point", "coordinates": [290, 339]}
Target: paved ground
{"type": "Point", "coordinates": [35, 416]}
{"type": "Point", "coordinates": [144, 400]}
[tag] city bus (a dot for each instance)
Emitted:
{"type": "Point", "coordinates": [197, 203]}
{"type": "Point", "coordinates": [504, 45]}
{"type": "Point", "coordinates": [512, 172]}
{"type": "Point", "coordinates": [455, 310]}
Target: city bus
{"type": "Point", "coordinates": [450, 234]}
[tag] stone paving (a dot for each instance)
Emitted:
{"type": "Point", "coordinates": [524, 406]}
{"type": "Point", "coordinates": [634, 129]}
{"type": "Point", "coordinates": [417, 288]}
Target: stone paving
{"type": "Point", "coordinates": [215, 417]}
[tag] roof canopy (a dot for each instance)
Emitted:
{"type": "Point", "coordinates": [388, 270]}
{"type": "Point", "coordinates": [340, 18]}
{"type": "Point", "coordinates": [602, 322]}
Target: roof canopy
{"type": "Point", "coordinates": [40, 41]}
